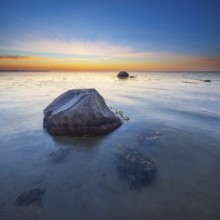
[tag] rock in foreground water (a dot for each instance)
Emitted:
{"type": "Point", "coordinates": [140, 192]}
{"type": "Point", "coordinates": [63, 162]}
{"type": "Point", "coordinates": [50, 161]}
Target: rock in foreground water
{"type": "Point", "coordinates": [123, 75]}
{"type": "Point", "coordinates": [134, 166]}
{"type": "Point", "coordinates": [33, 196]}
{"type": "Point", "coordinates": [79, 112]}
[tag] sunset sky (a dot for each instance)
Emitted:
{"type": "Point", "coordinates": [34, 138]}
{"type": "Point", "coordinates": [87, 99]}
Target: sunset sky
{"type": "Point", "coordinates": [114, 35]}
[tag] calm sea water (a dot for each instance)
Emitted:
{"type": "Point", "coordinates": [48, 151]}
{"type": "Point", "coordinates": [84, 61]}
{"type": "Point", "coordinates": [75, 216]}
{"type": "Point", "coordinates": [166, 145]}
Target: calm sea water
{"type": "Point", "coordinates": [174, 119]}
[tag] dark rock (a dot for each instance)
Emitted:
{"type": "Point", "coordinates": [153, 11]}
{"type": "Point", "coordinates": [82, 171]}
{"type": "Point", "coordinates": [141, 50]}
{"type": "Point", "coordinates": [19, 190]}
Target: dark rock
{"type": "Point", "coordinates": [123, 75]}
{"type": "Point", "coordinates": [207, 80]}
{"type": "Point", "coordinates": [134, 166]}
{"type": "Point", "coordinates": [79, 112]}
{"type": "Point", "coordinates": [32, 196]}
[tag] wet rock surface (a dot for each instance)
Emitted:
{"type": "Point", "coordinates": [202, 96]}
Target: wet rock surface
{"type": "Point", "coordinates": [33, 196]}
{"type": "Point", "coordinates": [79, 112]}
{"type": "Point", "coordinates": [123, 75]}
{"type": "Point", "coordinates": [135, 167]}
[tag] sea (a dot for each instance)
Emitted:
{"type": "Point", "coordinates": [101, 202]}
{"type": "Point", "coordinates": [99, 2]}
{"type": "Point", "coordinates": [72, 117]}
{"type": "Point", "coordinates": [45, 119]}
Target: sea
{"type": "Point", "coordinates": [174, 118]}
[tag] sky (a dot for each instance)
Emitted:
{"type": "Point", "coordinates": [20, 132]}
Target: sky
{"type": "Point", "coordinates": [110, 35]}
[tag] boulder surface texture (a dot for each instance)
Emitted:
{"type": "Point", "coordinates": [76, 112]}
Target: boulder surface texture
{"type": "Point", "coordinates": [79, 112]}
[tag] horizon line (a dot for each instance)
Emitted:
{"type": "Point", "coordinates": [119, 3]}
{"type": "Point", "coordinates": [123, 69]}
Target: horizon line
{"type": "Point", "coordinates": [23, 70]}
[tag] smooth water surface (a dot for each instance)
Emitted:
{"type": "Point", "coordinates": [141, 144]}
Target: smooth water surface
{"type": "Point", "coordinates": [174, 119]}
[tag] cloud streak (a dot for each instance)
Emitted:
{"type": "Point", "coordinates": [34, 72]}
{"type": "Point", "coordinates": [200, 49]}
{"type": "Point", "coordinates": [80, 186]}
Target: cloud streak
{"type": "Point", "coordinates": [80, 50]}
{"type": "Point", "coordinates": [52, 53]}
{"type": "Point", "coordinates": [11, 57]}
{"type": "Point", "coordinates": [207, 60]}
{"type": "Point", "coordinates": [73, 47]}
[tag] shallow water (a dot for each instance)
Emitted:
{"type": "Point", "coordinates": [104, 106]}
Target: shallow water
{"type": "Point", "coordinates": [174, 119]}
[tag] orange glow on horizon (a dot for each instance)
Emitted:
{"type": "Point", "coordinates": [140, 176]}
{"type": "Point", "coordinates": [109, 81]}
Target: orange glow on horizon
{"type": "Point", "coordinates": [114, 64]}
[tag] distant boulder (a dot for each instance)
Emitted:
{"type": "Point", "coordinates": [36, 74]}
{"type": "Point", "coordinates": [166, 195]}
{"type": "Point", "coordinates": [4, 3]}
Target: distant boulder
{"type": "Point", "coordinates": [123, 75]}
{"type": "Point", "coordinates": [79, 112]}
{"type": "Point", "coordinates": [207, 80]}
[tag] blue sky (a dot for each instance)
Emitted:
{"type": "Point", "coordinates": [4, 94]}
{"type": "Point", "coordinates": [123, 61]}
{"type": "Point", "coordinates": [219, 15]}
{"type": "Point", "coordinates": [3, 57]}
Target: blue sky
{"type": "Point", "coordinates": [164, 27]}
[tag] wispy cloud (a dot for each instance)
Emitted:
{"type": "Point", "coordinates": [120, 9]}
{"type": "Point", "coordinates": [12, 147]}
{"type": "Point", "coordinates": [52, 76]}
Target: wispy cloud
{"type": "Point", "coordinates": [77, 49]}
{"type": "Point", "coordinates": [59, 53]}
{"type": "Point", "coordinates": [9, 57]}
{"type": "Point", "coordinates": [144, 54]}
{"type": "Point", "coordinates": [21, 57]}
{"type": "Point", "coordinates": [70, 59]}
{"type": "Point", "coordinates": [74, 47]}
{"type": "Point", "coordinates": [207, 60]}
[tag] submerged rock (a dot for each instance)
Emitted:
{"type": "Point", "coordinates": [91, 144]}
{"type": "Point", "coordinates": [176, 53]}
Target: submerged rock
{"type": "Point", "coordinates": [123, 75]}
{"type": "Point", "coordinates": [32, 196]}
{"type": "Point", "coordinates": [79, 112]}
{"type": "Point", "coordinates": [138, 169]}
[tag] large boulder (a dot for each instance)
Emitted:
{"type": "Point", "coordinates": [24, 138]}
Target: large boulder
{"type": "Point", "coordinates": [79, 112]}
{"type": "Point", "coordinates": [123, 75]}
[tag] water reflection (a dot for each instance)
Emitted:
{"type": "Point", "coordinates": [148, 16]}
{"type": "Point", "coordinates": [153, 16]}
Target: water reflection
{"type": "Point", "coordinates": [174, 123]}
{"type": "Point", "coordinates": [88, 142]}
